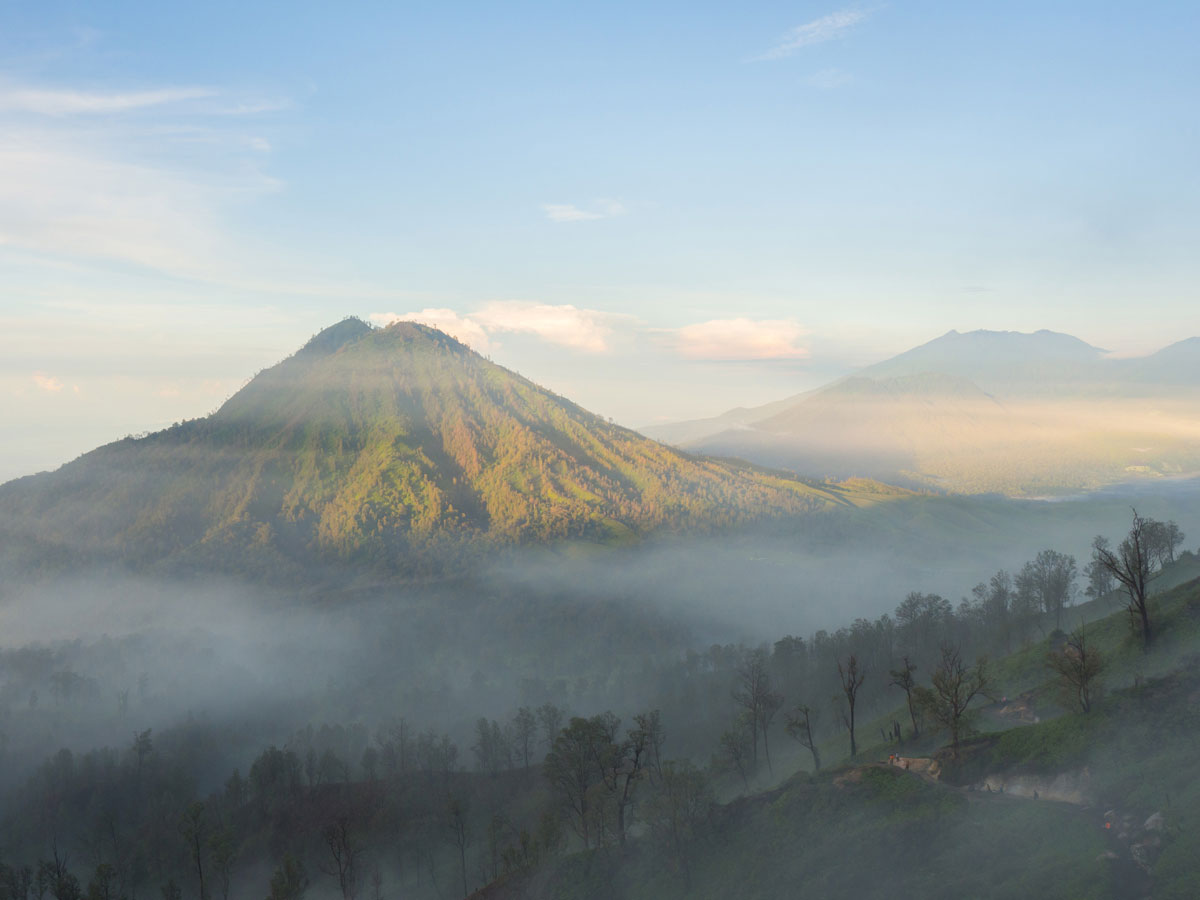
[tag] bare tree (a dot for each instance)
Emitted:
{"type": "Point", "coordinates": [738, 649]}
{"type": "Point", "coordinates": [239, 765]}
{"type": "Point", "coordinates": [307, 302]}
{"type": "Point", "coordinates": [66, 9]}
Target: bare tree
{"type": "Point", "coordinates": [1130, 566]}
{"type": "Point", "coordinates": [954, 686]}
{"type": "Point", "coordinates": [905, 679]}
{"type": "Point", "coordinates": [852, 678]}
{"type": "Point", "coordinates": [460, 836]}
{"type": "Point", "coordinates": [344, 855]}
{"type": "Point", "coordinates": [755, 695]}
{"type": "Point", "coordinates": [1078, 666]}
{"type": "Point", "coordinates": [800, 727]}
{"type": "Point", "coordinates": [192, 827]}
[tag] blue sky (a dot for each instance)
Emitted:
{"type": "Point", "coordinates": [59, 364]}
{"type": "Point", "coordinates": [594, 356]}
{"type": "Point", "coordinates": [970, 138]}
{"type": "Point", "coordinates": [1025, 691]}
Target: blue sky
{"type": "Point", "coordinates": [660, 210]}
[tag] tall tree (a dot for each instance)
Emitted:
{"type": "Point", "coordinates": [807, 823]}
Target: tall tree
{"type": "Point", "coordinates": [1078, 665]}
{"type": "Point", "coordinates": [1129, 564]}
{"type": "Point", "coordinates": [852, 678]}
{"type": "Point", "coordinates": [757, 698]}
{"type": "Point", "coordinates": [570, 769]}
{"type": "Point", "coordinates": [524, 733]}
{"type": "Point", "coordinates": [954, 686]}
{"type": "Point", "coordinates": [192, 827]}
{"type": "Point", "coordinates": [344, 855]}
{"type": "Point", "coordinates": [800, 727]}
{"type": "Point", "coordinates": [905, 679]}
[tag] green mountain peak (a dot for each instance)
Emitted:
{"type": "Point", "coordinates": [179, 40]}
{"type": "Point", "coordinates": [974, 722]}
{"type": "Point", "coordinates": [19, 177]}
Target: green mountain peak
{"type": "Point", "coordinates": [393, 447]}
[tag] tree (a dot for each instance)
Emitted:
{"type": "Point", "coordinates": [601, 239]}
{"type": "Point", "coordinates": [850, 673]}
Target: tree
{"type": "Point", "coordinates": [571, 770]}
{"type": "Point", "coordinates": [142, 747]}
{"type": "Point", "coordinates": [1162, 540]}
{"type": "Point", "coordinates": [755, 695]}
{"type": "Point", "coordinates": [222, 852]}
{"type": "Point", "coordinates": [922, 620]}
{"type": "Point", "coordinates": [550, 718]}
{"type": "Point", "coordinates": [905, 679]}
{"type": "Point", "coordinates": [1078, 666]}
{"type": "Point", "coordinates": [459, 836]}
{"type": "Point", "coordinates": [852, 679]}
{"type": "Point", "coordinates": [1100, 579]}
{"type": "Point", "coordinates": [192, 827]}
{"type": "Point", "coordinates": [290, 881]}
{"type": "Point", "coordinates": [1049, 579]}
{"type": "Point", "coordinates": [344, 855]}
{"type": "Point", "coordinates": [1130, 566]}
{"type": "Point", "coordinates": [734, 752]}
{"type": "Point", "coordinates": [995, 602]}
{"type": "Point", "coordinates": [800, 727]}
{"type": "Point", "coordinates": [954, 686]}
{"type": "Point", "coordinates": [676, 811]}
{"type": "Point", "coordinates": [524, 733]}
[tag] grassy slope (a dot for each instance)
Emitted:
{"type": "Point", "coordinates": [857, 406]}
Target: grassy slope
{"type": "Point", "coordinates": [879, 832]}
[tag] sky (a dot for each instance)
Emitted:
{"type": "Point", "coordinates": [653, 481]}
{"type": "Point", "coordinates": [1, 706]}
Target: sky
{"type": "Point", "coordinates": [660, 210]}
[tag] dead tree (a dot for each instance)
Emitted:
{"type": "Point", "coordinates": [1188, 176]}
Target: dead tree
{"type": "Point", "coordinates": [799, 726]}
{"type": "Point", "coordinates": [1130, 565]}
{"type": "Point", "coordinates": [852, 679]}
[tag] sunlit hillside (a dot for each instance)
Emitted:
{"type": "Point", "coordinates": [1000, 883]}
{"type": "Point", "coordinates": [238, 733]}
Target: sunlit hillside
{"type": "Point", "coordinates": [399, 448]}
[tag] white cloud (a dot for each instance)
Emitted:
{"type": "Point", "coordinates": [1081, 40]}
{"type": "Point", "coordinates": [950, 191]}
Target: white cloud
{"type": "Point", "coordinates": [49, 102]}
{"type": "Point", "coordinates": [568, 212]}
{"type": "Point", "coordinates": [826, 28]}
{"type": "Point", "coordinates": [741, 339]}
{"type": "Point", "coordinates": [47, 383]}
{"type": "Point", "coordinates": [463, 328]}
{"type": "Point", "coordinates": [565, 325]}
{"type": "Point", "coordinates": [828, 79]}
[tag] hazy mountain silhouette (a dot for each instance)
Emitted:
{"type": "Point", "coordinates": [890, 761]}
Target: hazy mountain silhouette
{"type": "Point", "coordinates": [982, 411]}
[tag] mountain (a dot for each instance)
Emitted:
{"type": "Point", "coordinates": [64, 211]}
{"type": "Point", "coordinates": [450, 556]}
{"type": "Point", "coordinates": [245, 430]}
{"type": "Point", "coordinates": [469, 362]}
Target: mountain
{"type": "Point", "coordinates": [397, 447]}
{"type": "Point", "coordinates": [985, 411]}
{"type": "Point", "coordinates": [1003, 363]}
{"type": "Point", "coordinates": [1178, 363]}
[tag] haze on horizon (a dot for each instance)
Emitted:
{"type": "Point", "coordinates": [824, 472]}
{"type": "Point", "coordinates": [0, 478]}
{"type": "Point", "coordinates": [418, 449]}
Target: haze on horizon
{"type": "Point", "coordinates": [661, 214]}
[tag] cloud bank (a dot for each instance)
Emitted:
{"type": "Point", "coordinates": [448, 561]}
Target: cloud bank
{"type": "Point", "coordinates": [741, 339]}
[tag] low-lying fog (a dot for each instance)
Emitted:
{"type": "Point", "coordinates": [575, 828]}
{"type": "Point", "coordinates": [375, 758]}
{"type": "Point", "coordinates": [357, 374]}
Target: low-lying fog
{"type": "Point", "coordinates": [87, 661]}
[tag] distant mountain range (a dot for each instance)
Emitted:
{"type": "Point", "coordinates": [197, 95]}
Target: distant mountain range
{"type": "Point", "coordinates": [398, 448]}
{"type": "Point", "coordinates": [985, 411]}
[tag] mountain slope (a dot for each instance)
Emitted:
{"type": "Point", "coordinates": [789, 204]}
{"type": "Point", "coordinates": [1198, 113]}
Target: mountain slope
{"type": "Point", "coordinates": [395, 447]}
